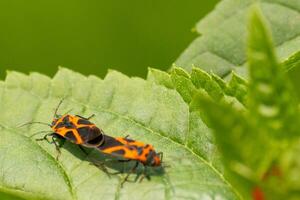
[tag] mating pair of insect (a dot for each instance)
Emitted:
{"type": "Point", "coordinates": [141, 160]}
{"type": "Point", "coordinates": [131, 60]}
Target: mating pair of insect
{"type": "Point", "coordinates": [82, 131]}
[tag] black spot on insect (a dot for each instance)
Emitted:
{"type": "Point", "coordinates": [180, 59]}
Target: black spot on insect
{"type": "Point", "coordinates": [109, 142]}
{"type": "Point", "coordinates": [150, 157]}
{"type": "Point", "coordinates": [70, 135]}
{"type": "Point", "coordinates": [146, 146]}
{"type": "Point", "coordinates": [60, 125]}
{"type": "Point", "coordinates": [131, 148]}
{"type": "Point", "coordinates": [119, 152]}
{"type": "Point", "coordinates": [91, 136]}
{"type": "Point", "coordinates": [66, 119]}
{"type": "Point", "coordinates": [89, 133]}
{"type": "Point", "coordinates": [140, 150]}
{"type": "Point", "coordinates": [66, 123]}
{"type": "Point", "coordinates": [84, 133]}
{"type": "Point", "coordinates": [134, 146]}
{"type": "Point", "coordinates": [85, 122]}
{"type": "Point", "coordinates": [69, 125]}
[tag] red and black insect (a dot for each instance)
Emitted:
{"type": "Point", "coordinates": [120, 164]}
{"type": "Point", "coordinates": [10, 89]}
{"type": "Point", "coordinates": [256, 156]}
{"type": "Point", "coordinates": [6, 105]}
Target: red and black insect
{"type": "Point", "coordinates": [80, 130]}
{"type": "Point", "coordinates": [131, 150]}
{"type": "Point", "coordinates": [74, 128]}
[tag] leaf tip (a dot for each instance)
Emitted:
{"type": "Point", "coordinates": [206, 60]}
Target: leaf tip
{"type": "Point", "coordinates": [151, 69]}
{"type": "Point", "coordinates": [179, 71]}
{"type": "Point", "coordinates": [258, 26]}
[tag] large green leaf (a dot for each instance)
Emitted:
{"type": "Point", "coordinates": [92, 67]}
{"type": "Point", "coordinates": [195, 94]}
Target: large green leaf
{"type": "Point", "coordinates": [222, 42]}
{"type": "Point", "coordinates": [145, 110]}
{"type": "Point", "coordinates": [260, 143]}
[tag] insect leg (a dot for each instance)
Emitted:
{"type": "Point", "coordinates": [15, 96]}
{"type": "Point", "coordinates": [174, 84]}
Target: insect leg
{"type": "Point", "coordinates": [82, 149]}
{"type": "Point", "coordinates": [96, 163]}
{"type": "Point", "coordinates": [45, 137]}
{"type": "Point", "coordinates": [57, 146]}
{"type": "Point", "coordinates": [143, 175]}
{"type": "Point", "coordinates": [128, 174]}
{"type": "Point", "coordinates": [101, 165]}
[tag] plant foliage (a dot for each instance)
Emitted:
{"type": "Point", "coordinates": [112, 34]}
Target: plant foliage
{"type": "Point", "coordinates": [254, 148]}
{"type": "Point", "coordinates": [259, 144]}
{"type": "Point", "coordinates": [221, 44]}
{"type": "Point", "coordinates": [123, 106]}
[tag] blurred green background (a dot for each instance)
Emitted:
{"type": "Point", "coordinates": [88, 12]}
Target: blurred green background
{"type": "Point", "coordinates": [93, 35]}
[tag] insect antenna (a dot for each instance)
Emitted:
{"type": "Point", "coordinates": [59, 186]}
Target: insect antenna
{"type": "Point", "coordinates": [56, 109]}
{"type": "Point", "coordinates": [29, 123]}
{"type": "Point", "coordinates": [39, 132]}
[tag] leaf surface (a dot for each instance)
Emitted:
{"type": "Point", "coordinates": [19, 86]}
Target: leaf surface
{"type": "Point", "coordinates": [222, 42]}
{"type": "Point", "coordinates": [146, 111]}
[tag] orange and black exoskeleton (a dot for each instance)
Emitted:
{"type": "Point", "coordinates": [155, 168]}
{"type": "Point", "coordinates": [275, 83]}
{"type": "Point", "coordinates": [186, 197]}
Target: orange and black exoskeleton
{"type": "Point", "coordinates": [131, 150]}
{"type": "Point", "coordinates": [74, 128]}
